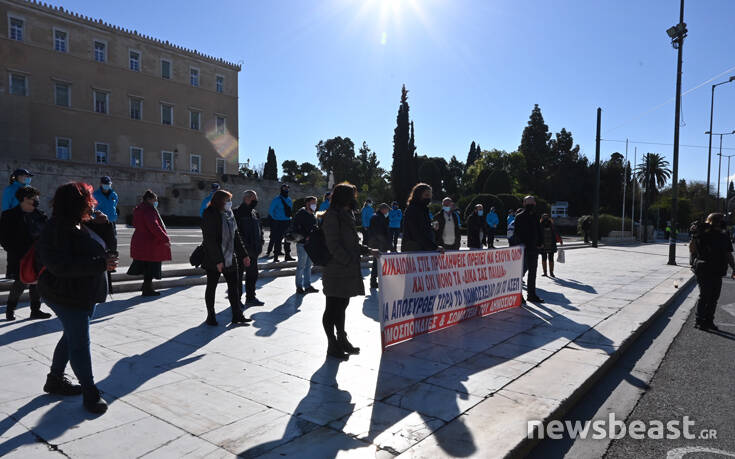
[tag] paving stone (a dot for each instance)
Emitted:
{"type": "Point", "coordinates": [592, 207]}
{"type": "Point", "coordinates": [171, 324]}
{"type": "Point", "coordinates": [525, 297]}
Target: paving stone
{"type": "Point", "coordinates": [324, 443]}
{"type": "Point", "coordinates": [433, 401]}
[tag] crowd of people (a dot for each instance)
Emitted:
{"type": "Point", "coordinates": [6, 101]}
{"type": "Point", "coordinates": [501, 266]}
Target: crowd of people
{"type": "Point", "coordinates": [76, 250]}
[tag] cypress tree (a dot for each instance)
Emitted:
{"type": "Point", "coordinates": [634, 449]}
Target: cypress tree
{"type": "Point", "coordinates": [403, 174]}
{"type": "Point", "coordinates": [270, 171]}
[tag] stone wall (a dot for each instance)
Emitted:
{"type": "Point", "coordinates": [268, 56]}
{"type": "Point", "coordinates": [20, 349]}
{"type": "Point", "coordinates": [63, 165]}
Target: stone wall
{"type": "Point", "coordinates": [179, 193]}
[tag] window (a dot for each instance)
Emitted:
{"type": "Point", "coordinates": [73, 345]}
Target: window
{"type": "Point", "coordinates": [101, 99]}
{"type": "Point", "coordinates": [136, 108]}
{"type": "Point", "coordinates": [18, 84]}
{"type": "Point", "coordinates": [63, 148]}
{"type": "Point", "coordinates": [136, 157]}
{"type": "Point", "coordinates": [165, 69]}
{"type": "Point", "coordinates": [220, 83]}
{"type": "Point", "coordinates": [167, 160]}
{"type": "Point", "coordinates": [101, 152]}
{"type": "Point", "coordinates": [62, 94]}
{"type": "Point", "coordinates": [220, 166]}
{"type": "Point", "coordinates": [167, 114]}
{"type": "Point", "coordinates": [100, 51]}
{"type": "Point", "coordinates": [220, 125]}
{"type": "Point", "coordinates": [195, 120]}
{"type": "Point", "coordinates": [134, 61]}
{"type": "Point", "coordinates": [194, 76]}
{"type": "Point", "coordinates": [60, 38]}
{"type": "Point", "coordinates": [17, 27]}
{"type": "Point", "coordinates": [195, 164]}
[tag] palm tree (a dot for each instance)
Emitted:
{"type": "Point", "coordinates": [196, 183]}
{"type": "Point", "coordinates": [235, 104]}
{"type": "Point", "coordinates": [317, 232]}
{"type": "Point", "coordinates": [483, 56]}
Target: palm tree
{"type": "Point", "coordinates": [652, 173]}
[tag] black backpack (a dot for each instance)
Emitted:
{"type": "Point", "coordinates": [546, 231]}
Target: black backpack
{"type": "Point", "coordinates": [316, 247]}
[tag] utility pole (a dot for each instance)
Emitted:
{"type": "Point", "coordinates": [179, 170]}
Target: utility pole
{"type": "Point", "coordinates": [677, 40]}
{"type": "Point", "coordinates": [635, 182]}
{"type": "Point", "coordinates": [625, 185]}
{"type": "Point", "coordinates": [596, 201]}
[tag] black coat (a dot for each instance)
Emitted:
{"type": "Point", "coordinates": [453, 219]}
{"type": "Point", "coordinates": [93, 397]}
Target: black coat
{"type": "Point", "coordinates": [250, 228]}
{"type": "Point", "coordinates": [528, 231]}
{"type": "Point", "coordinates": [475, 225]}
{"type": "Point", "coordinates": [711, 250]}
{"type": "Point", "coordinates": [303, 223]}
{"type": "Point", "coordinates": [212, 240]}
{"type": "Point", "coordinates": [342, 276]}
{"type": "Point", "coordinates": [439, 217]}
{"type": "Point", "coordinates": [378, 236]}
{"type": "Point", "coordinates": [18, 231]}
{"type": "Point", "coordinates": [417, 232]}
{"type": "Point", "coordinates": [75, 264]}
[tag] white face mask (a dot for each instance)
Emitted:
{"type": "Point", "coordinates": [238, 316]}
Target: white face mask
{"type": "Point", "coordinates": [312, 207]}
{"type": "Point", "coordinates": [228, 206]}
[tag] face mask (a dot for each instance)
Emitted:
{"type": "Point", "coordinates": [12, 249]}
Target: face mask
{"type": "Point", "coordinates": [155, 204]}
{"type": "Point", "coordinates": [27, 181]}
{"type": "Point", "coordinates": [228, 206]}
{"type": "Point", "coordinates": [284, 192]}
{"type": "Point", "coordinates": [529, 207]}
{"type": "Point", "coordinates": [370, 204]}
{"type": "Point", "coordinates": [395, 207]}
{"type": "Point", "coordinates": [253, 203]}
{"type": "Point", "coordinates": [385, 214]}
{"type": "Point", "coordinates": [106, 187]}
{"type": "Point", "coordinates": [447, 209]}
{"type": "Point", "coordinates": [312, 207]}
{"type": "Point", "coordinates": [480, 212]}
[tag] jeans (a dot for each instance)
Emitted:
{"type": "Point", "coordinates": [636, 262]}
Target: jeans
{"type": "Point", "coordinates": [278, 230]}
{"type": "Point", "coordinates": [234, 289]}
{"type": "Point", "coordinates": [73, 347]}
{"type": "Point", "coordinates": [709, 293]}
{"type": "Point", "coordinates": [303, 267]}
{"type": "Point", "coordinates": [530, 264]}
{"type": "Point", "coordinates": [394, 233]}
{"type": "Point", "coordinates": [16, 290]}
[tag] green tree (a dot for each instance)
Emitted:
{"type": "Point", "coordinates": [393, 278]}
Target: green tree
{"type": "Point", "coordinates": [270, 171]}
{"type": "Point", "coordinates": [290, 171]}
{"type": "Point", "coordinates": [497, 182]}
{"type": "Point", "coordinates": [453, 181]}
{"type": "Point", "coordinates": [536, 150]}
{"type": "Point", "coordinates": [430, 173]}
{"type": "Point", "coordinates": [652, 173]}
{"type": "Point", "coordinates": [472, 156]}
{"type": "Point", "coordinates": [337, 155]}
{"type": "Point", "coordinates": [403, 173]}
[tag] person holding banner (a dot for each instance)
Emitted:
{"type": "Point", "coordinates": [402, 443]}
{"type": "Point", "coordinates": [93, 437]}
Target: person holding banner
{"type": "Point", "coordinates": [342, 275]}
{"type": "Point", "coordinates": [528, 232]}
{"type": "Point", "coordinates": [448, 229]}
{"type": "Point", "coordinates": [418, 232]}
{"type": "Point", "coordinates": [378, 239]}
{"type": "Point", "coordinates": [476, 228]}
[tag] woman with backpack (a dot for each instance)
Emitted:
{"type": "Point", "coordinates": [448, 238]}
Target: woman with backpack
{"type": "Point", "coordinates": [224, 254]}
{"type": "Point", "coordinates": [73, 251]}
{"type": "Point", "coordinates": [342, 275]}
{"type": "Point", "coordinates": [150, 245]}
{"type": "Point", "coordinates": [20, 227]}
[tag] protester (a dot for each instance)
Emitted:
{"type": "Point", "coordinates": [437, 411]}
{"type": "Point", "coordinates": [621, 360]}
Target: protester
{"type": "Point", "coordinates": [378, 238]}
{"type": "Point", "coordinates": [366, 214]}
{"type": "Point", "coordinates": [586, 225]}
{"type": "Point", "coordinates": [342, 276]}
{"type": "Point", "coordinates": [20, 227]}
{"type": "Point", "coordinates": [711, 253]}
{"type": "Point", "coordinates": [18, 179]}
{"type": "Point", "coordinates": [280, 213]}
{"type": "Point", "coordinates": [476, 228]}
{"type": "Point", "coordinates": [325, 204]}
{"type": "Point", "coordinates": [418, 232]}
{"type": "Point", "coordinates": [205, 201]}
{"type": "Point", "coordinates": [251, 232]}
{"type": "Point", "coordinates": [528, 233]}
{"type": "Point", "coordinates": [107, 201]}
{"type": "Point", "coordinates": [150, 245]}
{"type": "Point", "coordinates": [73, 250]}
{"type": "Point", "coordinates": [549, 239]}
{"type": "Point", "coordinates": [303, 223]}
{"type": "Point", "coordinates": [510, 223]}
{"type": "Point", "coordinates": [447, 232]}
{"type": "Point", "coordinates": [395, 218]}
{"type": "Point", "coordinates": [492, 227]}
{"type": "Point", "coordinates": [667, 230]}
{"type": "Point", "coordinates": [223, 253]}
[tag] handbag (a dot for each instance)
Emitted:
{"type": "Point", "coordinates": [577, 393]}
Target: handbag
{"type": "Point", "coordinates": [560, 256]}
{"type": "Point", "coordinates": [197, 257]}
{"type": "Point", "coordinates": [30, 270]}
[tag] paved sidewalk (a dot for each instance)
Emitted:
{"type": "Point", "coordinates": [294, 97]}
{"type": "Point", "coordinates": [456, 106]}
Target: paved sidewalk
{"type": "Point", "coordinates": [177, 387]}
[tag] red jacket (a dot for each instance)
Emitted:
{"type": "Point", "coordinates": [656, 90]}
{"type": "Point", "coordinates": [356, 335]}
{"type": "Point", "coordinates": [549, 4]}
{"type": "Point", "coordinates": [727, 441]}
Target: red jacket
{"type": "Point", "coordinates": [150, 241]}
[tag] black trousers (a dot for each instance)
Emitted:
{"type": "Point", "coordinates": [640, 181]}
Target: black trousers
{"type": "Point", "coordinates": [709, 292]}
{"type": "Point", "coordinates": [394, 233]}
{"type": "Point", "coordinates": [530, 265]}
{"type": "Point", "coordinates": [16, 290]}
{"type": "Point", "coordinates": [278, 231]}
{"type": "Point", "coordinates": [251, 277]}
{"type": "Point", "coordinates": [334, 316]}
{"type": "Point", "coordinates": [234, 285]}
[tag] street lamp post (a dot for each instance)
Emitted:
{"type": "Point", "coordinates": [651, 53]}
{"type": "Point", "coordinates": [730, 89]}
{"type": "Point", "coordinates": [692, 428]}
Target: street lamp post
{"type": "Point", "coordinates": [719, 165]}
{"type": "Point", "coordinates": [727, 188]}
{"type": "Point", "coordinates": [711, 116]}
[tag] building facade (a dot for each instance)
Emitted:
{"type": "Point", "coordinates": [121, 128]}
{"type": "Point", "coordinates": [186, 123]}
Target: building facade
{"type": "Point", "coordinates": [81, 94]}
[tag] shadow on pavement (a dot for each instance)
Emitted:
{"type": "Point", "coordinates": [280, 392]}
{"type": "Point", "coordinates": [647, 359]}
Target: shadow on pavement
{"type": "Point", "coordinates": [576, 285]}
{"type": "Point", "coordinates": [267, 321]}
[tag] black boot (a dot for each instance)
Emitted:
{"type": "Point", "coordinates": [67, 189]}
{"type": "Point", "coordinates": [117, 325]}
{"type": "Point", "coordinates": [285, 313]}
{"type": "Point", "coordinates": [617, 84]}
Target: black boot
{"type": "Point", "coordinates": [93, 401]}
{"type": "Point", "coordinates": [60, 385]}
{"type": "Point", "coordinates": [10, 312]}
{"type": "Point", "coordinates": [346, 345]}
{"type": "Point", "coordinates": [148, 289]}
{"type": "Point", "coordinates": [211, 317]}
{"type": "Point", "coordinates": [36, 312]}
{"type": "Point", "coordinates": [289, 257]}
{"type": "Point", "coordinates": [335, 350]}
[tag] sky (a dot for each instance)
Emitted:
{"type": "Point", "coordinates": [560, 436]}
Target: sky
{"type": "Point", "coordinates": [315, 69]}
